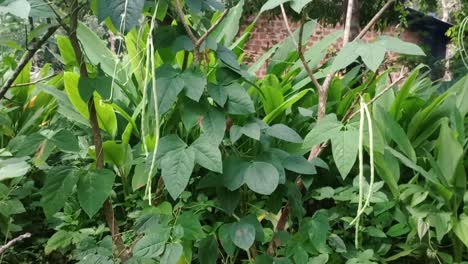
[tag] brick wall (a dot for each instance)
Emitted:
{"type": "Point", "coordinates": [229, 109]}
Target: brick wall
{"type": "Point", "coordinates": [269, 31]}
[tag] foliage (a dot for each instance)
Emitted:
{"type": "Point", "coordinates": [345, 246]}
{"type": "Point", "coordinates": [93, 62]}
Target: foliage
{"type": "Point", "coordinates": [200, 156]}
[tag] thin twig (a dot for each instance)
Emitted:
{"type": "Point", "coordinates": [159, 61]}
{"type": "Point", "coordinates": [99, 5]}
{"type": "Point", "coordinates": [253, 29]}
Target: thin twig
{"type": "Point", "coordinates": [374, 19]}
{"type": "Point", "coordinates": [204, 36]}
{"type": "Point", "coordinates": [34, 82]}
{"type": "Point", "coordinates": [13, 241]}
{"type": "Point", "coordinates": [26, 58]}
{"type": "Point", "coordinates": [300, 51]}
{"type": "Point", "coordinates": [180, 13]}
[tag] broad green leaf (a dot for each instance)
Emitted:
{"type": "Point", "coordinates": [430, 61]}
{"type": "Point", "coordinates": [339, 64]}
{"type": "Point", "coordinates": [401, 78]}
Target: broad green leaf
{"type": "Point", "coordinates": [66, 50]}
{"type": "Point", "coordinates": [19, 8]}
{"type": "Point", "coordinates": [228, 200]}
{"type": "Point", "coordinates": [124, 14]}
{"type": "Point", "coordinates": [101, 84]}
{"type": "Point", "coordinates": [235, 132]}
{"type": "Point", "coordinates": [139, 178]}
{"type": "Point", "coordinates": [459, 88]}
{"type": "Point", "coordinates": [392, 129]}
{"type": "Point", "coordinates": [284, 132]}
{"type": "Point", "coordinates": [239, 101]}
{"type": "Point", "coordinates": [252, 130]}
{"type": "Point", "coordinates": [106, 116]}
{"type": "Point", "coordinates": [218, 93]}
{"type": "Point", "coordinates": [298, 5]}
{"type": "Point", "coordinates": [450, 157]}
{"type": "Point", "coordinates": [388, 169]}
{"type": "Point", "coordinates": [324, 130]}
{"type": "Point", "coordinates": [192, 227]}
{"type": "Point", "coordinates": [119, 154]}
{"type": "Point", "coordinates": [93, 189]}
{"type": "Point", "coordinates": [460, 228]}
{"type": "Point", "coordinates": [151, 245]}
{"type": "Point", "coordinates": [234, 173]}
{"type": "Point", "coordinates": [224, 236]}
{"type": "Point", "coordinates": [176, 170]}
{"type": "Point", "coordinates": [98, 53]}
{"type": "Point", "coordinates": [172, 253]}
{"type": "Point", "coordinates": [252, 219]}
{"type": "Point", "coordinates": [261, 177]}
{"type": "Point", "coordinates": [66, 141]}
{"type": "Point", "coordinates": [58, 186]}
{"type": "Point", "coordinates": [270, 4]}
{"type": "Point", "coordinates": [228, 29]}
{"type": "Point", "coordinates": [399, 46]}
{"type": "Point", "coordinates": [318, 228]}
{"type": "Point", "coordinates": [168, 144]}
{"type": "Point", "coordinates": [60, 239]}
{"type": "Point", "coordinates": [195, 83]}
{"type": "Point", "coordinates": [284, 106]}
{"type": "Point", "coordinates": [346, 56]}
{"type": "Point", "coordinates": [272, 98]}
{"type": "Point", "coordinates": [242, 235]}
{"type": "Point", "coordinates": [299, 164]}
{"type": "Point", "coordinates": [207, 154]}
{"type": "Point", "coordinates": [71, 80]}
{"type": "Point", "coordinates": [168, 85]}
{"type": "Point", "coordinates": [13, 167]}
{"type": "Point", "coordinates": [227, 57]}
{"type": "Point", "coordinates": [403, 93]}
{"type": "Point", "coordinates": [345, 149]}
{"type": "Point", "coordinates": [208, 250]}
{"type": "Point", "coordinates": [213, 125]}
{"type": "Point", "coordinates": [443, 191]}
{"type": "Point", "coordinates": [372, 55]}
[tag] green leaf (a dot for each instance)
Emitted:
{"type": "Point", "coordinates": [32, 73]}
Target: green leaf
{"type": "Point", "coordinates": [71, 80]}
{"type": "Point", "coordinates": [262, 177]}
{"type": "Point", "coordinates": [403, 93]}
{"type": "Point", "coordinates": [284, 106]}
{"type": "Point", "coordinates": [450, 156]}
{"type": "Point", "coordinates": [299, 164]}
{"type": "Point", "coordinates": [169, 85]}
{"type": "Point", "coordinates": [270, 4]}
{"type": "Point", "coordinates": [298, 5]}
{"type": "Point", "coordinates": [459, 89]}
{"type": "Point", "coordinates": [234, 172]}
{"type": "Point", "coordinates": [66, 141]}
{"type": "Point", "coordinates": [13, 167]}
{"type": "Point", "coordinates": [346, 56]}
{"type": "Point", "coordinates": [228, 200]}
{"type": "Point", "coordinates": [318, 229]}
{"type": "Point", "coordinates": [345, 149]}
{"type": "Point", "coordinates": [176, 170]}
{"type": "Point", "coordinates": [207, 154]}
{"type": "Point", "coordinates": [227, 57]}
{"type": "Point", "coordinates": [101, 84]}
{"type": "Point", "coordinates": [151, 245]}
{"type": "Point", "coordinates": [372, 55]}
{"type": "Point", "coordinates": [172, 253]}
{"type": "Point", "coordinates": [213, 125]}
{"type": "Point", "coordinates": [169, 143]}
{"type": "Point", "coordinates": [393, 130]}
{"type": "Point", "coordinates": [218, 93]}
{"type": "Point", "coordinates": [284, 132]}
{"type": "Point", "coordinates": [19, 8]}
{"type": "Point", "coordinates": [228, 29]}
{"type": "Point", "coordinates": [191, 224]}
{"type": "Point", "coordinates": [398, 230]}
{"type": "Point", "coordinates": [195, 83]}
{"type": "Point", "coordinates": [208, 250]}
{"type": "Point", "coordinates": [58, 186]}
{"type": "Point", "coordinates": [239, 101]}
{"type": "Point", "coordinates": [224, 235]}
{"type": "Point", "coordinates": [388, 169]}
{"type": "Point", "coordinates": [66, 50]}
{"type": "Point", "coordinates": [242, 235]}
{"type": "Point", "coordinates": [124, 14]}
{"type": "Point", "coordinates": [235, 132]}
{"type": "Point", "coordinates": [272, 96]}
{"type": "Point", "coordinates": [324, 130]}
{"type": "Point", "coordinates": [60, 239]}
{"type": "Point", "coordinates": [460, 228]}
{"type": "Point", "coordinates": [252, 130]}
{"type": "Point", "coordinates": [399, 46]}
{"type": "Point", "coordinates": [106, 116]}
{"type": "Point", "coordinates": [98, 53]}
{"type": "Point", "coordinates": [93, 189]}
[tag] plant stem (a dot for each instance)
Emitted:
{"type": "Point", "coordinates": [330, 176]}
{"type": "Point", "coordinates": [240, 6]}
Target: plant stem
{"type": "Point", "coordinates": [108, 210]}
